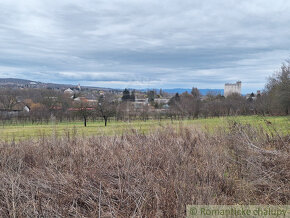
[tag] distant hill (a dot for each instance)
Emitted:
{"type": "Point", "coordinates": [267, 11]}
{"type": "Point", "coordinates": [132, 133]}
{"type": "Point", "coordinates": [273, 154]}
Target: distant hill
{"type": "Point", "coordinates": [22, 83]}
{"type": "Point", "coordinates": [180, 90]}
{"type": "Point", "coordinates": [14, 83]}
{"type": "Point", "coordinates": [202, 91]}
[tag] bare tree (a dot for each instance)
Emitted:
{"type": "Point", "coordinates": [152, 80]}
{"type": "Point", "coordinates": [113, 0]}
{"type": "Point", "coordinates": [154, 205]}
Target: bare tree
{"type": "Point", "coordinates": [174, 107]}
{"type": "Point", "coordinates": [106, 107]}
{"type": "Point", "coordinates": [50, 99]}
{"type": "Point", "coordinates": [278, 90]}
{"type": "Point", "coordinates": [144, 113]}
{"type": "Point", "coordinates": [84, 110]}
{"type": "Point", "coordinates": [7, 99]}
{"type": "Point", "coordinates": [186, 104]}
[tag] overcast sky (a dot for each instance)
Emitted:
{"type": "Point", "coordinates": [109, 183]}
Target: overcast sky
{"type": "Point", "coordinates": [144, 43]}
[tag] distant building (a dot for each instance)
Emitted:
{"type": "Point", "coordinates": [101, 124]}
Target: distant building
{"type": "Point", "coordinates": [252, 96]}
{"type": "Point", "coordinates": [162, 100]}
{"type": "Point", "coordinates": [86, 100]}
{"type": "Point", "coordinates": [68, 92]}
{"type": "Point", "coordinates": [26, 108]}
{"type": "Point", "coordinates": [232, 88]}
{"type": "Point", "coordinates": [81, 99]}
{"type": "Point", "coordinates": [140, 103]}
{"type": "Point", "coordinates": [17, 109]}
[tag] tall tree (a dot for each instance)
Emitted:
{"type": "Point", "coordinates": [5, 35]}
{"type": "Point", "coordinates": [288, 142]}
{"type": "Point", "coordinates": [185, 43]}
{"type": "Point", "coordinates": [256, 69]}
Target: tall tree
{"type": "Point", "coordinates": [84, 110]}
{"type": "Point", "coordinates": [278, 89]}
{"type": "Point", "coordinates": [106, 107]}
{"type": "Point", "coordinates": [151, 96]}
{"type": "Point", "coordinates": [7, 99]}
{"type": "Point", "coordinates": [197, 101]}
{"type": "Point", "coordinates": [126, 95]}
{"type": "Point", "coordinates": [195, 93]}
{"type": "Point", "coordinates": [132, 96]}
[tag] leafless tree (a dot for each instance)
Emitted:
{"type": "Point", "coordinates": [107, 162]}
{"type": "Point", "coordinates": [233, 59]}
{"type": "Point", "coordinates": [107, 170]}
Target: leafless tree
{"type": "Point", "coordinates": [106, 107]}
{"type": "Point", "coordinates": [84, 110]}
{"type": "Point", "coordinates": [7, 98]}
{"type": "Point", "coordinates": [186, 104]}
{"type": "Point", "coordinates": [278, 90]}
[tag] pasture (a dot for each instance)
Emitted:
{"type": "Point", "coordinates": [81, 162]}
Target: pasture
{"type": "Point", "coordinates": [23, 131]}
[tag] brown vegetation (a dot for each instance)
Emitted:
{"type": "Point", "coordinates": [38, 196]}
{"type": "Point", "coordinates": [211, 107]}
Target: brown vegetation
{"type": "Point", "coordinates": [139, 175]}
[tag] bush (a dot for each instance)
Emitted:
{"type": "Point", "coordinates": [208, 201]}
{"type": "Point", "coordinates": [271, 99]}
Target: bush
{"type": "Point", "coordinates": [143, 175]}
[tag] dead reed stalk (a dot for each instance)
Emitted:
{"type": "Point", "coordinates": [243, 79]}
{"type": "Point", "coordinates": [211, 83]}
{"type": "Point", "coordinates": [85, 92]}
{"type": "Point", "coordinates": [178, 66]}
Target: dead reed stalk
{"type": "Point", "coordinates": [137, 175]}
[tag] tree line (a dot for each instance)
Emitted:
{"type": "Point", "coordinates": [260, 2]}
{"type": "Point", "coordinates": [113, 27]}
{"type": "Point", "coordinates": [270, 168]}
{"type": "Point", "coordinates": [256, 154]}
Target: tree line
{"type": "Point", "coordinates": [45, 104]}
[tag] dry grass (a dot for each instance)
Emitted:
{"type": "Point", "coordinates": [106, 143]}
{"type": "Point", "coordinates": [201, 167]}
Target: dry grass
{"type": "Point", "coordinates": [137, 175]}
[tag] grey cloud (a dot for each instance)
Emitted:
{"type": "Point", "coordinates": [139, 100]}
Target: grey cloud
{"type": "Point", "coordinates": [143, 44]}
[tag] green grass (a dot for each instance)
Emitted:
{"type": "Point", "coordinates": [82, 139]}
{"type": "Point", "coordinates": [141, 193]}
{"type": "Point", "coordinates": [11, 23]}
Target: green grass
{"type": "Point", "coordinates": [27, 131]}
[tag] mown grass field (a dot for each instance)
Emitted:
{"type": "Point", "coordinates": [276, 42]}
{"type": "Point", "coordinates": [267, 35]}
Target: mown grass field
{"type": "Point", "coordinates": [18, 132]}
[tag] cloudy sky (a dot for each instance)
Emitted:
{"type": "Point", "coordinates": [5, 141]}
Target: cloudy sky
{"type": "Point", "coordinates": [144, 43]}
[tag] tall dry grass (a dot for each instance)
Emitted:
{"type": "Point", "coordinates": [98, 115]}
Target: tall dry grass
{"type": "Point", "coordinates": [137, 175]}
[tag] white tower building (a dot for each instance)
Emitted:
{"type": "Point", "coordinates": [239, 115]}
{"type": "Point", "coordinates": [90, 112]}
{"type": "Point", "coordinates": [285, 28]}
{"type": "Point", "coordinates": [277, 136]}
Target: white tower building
{"type": "Point", "coordinates": [232, 88]}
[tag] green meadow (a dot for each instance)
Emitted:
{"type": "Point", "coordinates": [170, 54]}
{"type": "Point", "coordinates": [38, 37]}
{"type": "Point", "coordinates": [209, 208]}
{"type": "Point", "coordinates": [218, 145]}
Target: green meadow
{"type": "Point", "coordinates": [8, 132]}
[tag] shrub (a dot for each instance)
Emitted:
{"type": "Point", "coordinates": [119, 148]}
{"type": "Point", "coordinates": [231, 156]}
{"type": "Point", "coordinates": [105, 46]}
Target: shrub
{"type": "Point", "coordinates": [143, 175]}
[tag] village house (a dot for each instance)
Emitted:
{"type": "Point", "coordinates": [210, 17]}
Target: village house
{"type": "Point", "coordinates": [17, 109]}
{"type": "Point", "coordinates": [69, 92]}
{"type": "Point", "coordinates": [139, 103]}
{"type": "Point", "coordinates": [252, 96]}
{"type": "Point", "coordinates": [161, 100]}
